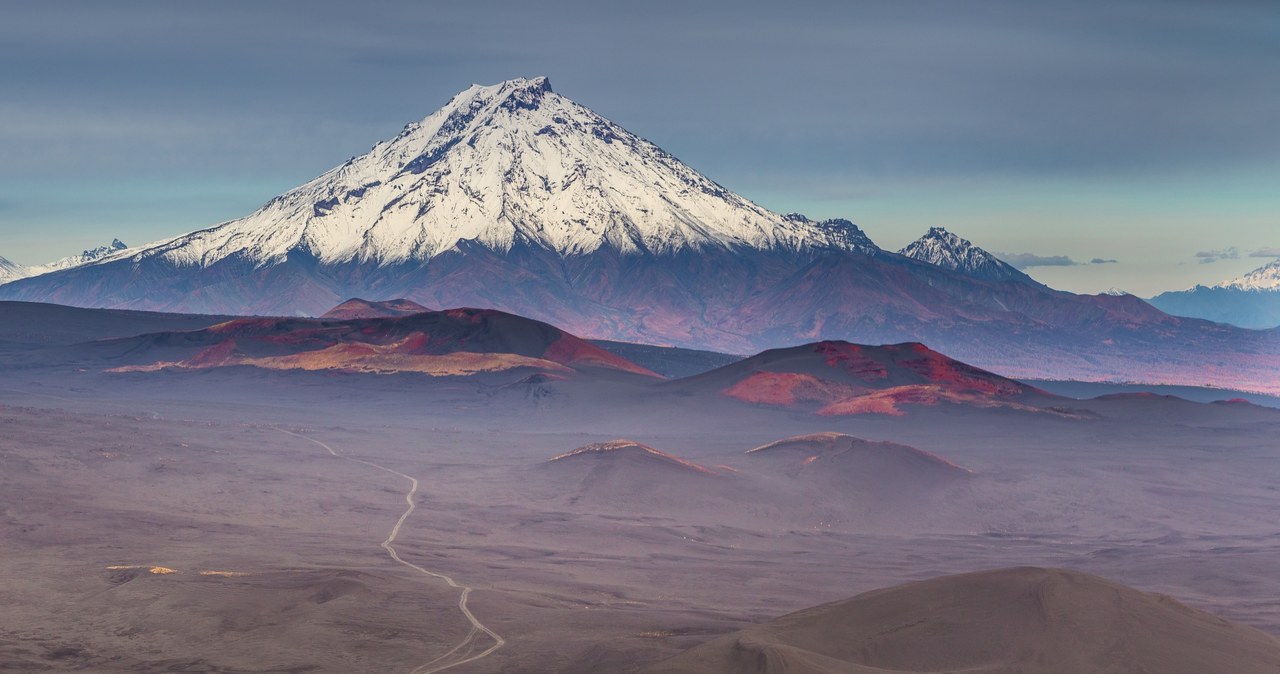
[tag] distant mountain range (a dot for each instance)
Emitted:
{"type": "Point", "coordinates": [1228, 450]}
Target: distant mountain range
{"type": "Point", "coordinates": [516, 198]}
{"type": "Point", "coordinates": [1251, 301]}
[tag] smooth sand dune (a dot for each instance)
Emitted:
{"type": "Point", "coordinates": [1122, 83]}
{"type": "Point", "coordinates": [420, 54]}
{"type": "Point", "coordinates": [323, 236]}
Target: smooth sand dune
{"type": "Point", "coordinates": [1008, 621]}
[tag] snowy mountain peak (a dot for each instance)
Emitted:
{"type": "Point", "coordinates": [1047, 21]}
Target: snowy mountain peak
{"type": "Point", "coordinates": [88, 256]}
{"type": "Point", "coordinates": [944, 249]}
{"type": "Point", "coordinates": [102, 251]}
{"type": "Point", "coordinates": [533, 86]}
{"type": "Point", "coordinates": [524, 87]}
{"type": "Point", "coordinates": [1266, 277]}
{"type": "Point", "coordinates": [509, 165]}
{"type": "Point", "coordinates": [840, 233]}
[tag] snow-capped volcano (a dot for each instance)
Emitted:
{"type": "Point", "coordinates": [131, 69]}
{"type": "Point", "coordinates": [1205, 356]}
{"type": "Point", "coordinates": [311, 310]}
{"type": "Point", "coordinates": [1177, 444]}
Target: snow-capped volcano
{"type": "Point", "coordinates": [503, 165]}
{"type": "Point", "coordinates": [944, 249]}
{"type": "Point", "coordinates": [515, 198]}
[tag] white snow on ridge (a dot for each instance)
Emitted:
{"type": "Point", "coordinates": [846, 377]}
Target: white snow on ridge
{"type": "Point", "coordinates": [503, 165]}
{"type": "Point", "coordinates": [10, 271]}
{"type": "Point", "coordinates": [101, 253]}
{"type": "Point", "coordinates": [1266, 277]}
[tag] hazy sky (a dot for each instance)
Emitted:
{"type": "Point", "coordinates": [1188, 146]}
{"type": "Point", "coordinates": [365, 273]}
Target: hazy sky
{"type": "Point", "coordinates": [1143, 132]}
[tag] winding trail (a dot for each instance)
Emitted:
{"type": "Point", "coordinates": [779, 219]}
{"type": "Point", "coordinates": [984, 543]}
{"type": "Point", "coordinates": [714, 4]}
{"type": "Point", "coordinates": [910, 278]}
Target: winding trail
{"type": "Point", "coordinates": [466, 650]}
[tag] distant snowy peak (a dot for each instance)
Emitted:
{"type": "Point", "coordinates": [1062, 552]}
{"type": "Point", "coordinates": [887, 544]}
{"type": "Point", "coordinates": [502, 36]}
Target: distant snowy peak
{"type": "Point", "coordinates": [502, 166]}
{"type": "Point", "coordinates": [1251, 301]}
{"type": "Point", "coordinates": [91, 255]}
{"type": "Point", "coordinates": [100, 251]}
{"type": "Point", "coordinates": [1263, 278]}
{"type": "Point", "coordinates": [10, 271]}
{"type": "Point", "coordinates": [944, 249]}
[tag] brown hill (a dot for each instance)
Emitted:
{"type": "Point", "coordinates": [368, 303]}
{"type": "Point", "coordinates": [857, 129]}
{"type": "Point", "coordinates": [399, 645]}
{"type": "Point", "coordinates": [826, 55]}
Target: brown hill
{"type": "Point", "coordinates": [1009, 621]}
{"type": "Point", "coordinates": [835, 378]}
{"type": "Point", "coordinates": [879, 463]}
{"type": "Point", "coordinates": [623, 451]}
{"type": "Point", "coordinates": [456, 342]}
{"type": "Point", "coordinates": [358, 308]}
{"type": "Point", "coordinates": [630, 475]}
{"type": "Point", "coordinates": [837, 480]}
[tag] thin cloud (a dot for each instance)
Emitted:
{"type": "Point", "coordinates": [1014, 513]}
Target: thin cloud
{"type": "Point", "coordinates": [1098, 260]}
{"type": "Point", "coordinates": [1266, 252]}
{"type": "Point", "coordinates": [1211, 256]}
{"type": "Point", "coordinates": [1025, 260]}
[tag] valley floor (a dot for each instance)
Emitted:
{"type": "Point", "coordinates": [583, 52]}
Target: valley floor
{"type": "Point", "coordinates": [274, 543]}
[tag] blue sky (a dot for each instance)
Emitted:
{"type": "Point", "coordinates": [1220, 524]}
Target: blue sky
{"type": "Point", "coordinates": [1143, 132]}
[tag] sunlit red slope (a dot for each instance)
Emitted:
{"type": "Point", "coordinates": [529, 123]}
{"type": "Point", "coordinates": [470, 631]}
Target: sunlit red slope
{"type": "Point", "coordinates": [834, 378]}
{"type": "Point", "coordinates": [456, 342]}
